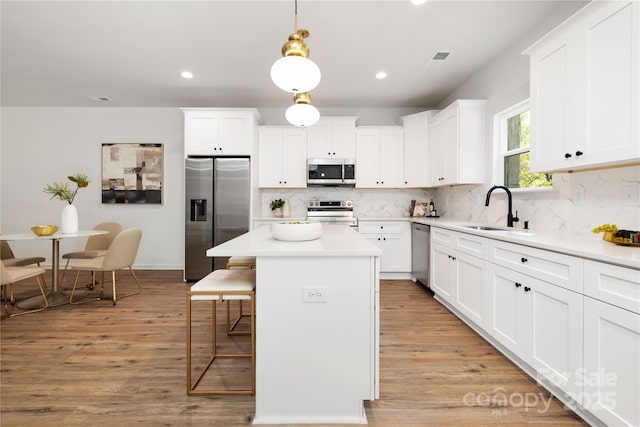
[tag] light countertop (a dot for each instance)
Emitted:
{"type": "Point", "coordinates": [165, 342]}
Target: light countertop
{"type": "Point", "coordinates": [336, 240]}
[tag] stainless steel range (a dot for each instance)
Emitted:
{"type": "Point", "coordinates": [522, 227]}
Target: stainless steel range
{"type": "Point", "coordinates": [332, 212]}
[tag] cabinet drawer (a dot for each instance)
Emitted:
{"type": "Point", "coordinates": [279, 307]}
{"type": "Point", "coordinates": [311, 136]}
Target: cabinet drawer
{"type": "Point", "coordinates": [559, 269]}
{"type": "Point", "coordinates": [384, 227]}
{"type": "Point", "coordinates": [471, 245]}
{"type": "Point", "coordinates": [442, 236]}
{"type": "Point", "coordinates": [615, 285]}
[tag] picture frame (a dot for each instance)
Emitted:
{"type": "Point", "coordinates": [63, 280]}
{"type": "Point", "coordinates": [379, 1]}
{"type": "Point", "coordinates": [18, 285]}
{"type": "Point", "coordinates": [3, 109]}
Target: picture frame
{"type": "Point", "coordinates": [132, 173]}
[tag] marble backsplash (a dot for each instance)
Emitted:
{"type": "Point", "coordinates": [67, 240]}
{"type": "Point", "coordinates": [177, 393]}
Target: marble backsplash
{"type": "Point", "coordinates": [577, 202]}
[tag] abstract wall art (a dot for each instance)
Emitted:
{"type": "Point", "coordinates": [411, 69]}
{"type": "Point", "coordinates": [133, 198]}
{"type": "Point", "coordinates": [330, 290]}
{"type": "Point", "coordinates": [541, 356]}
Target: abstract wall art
{"type": "Point", "coordinates": [132, 173]}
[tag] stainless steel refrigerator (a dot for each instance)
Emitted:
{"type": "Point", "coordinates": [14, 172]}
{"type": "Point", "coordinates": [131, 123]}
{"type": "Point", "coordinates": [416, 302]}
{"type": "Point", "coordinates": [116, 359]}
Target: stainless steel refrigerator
{"type": "Point", "coordinates": [217, 209]}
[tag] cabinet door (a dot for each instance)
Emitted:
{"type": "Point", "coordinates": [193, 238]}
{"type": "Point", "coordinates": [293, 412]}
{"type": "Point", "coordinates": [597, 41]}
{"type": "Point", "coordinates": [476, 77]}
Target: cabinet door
{"type": "Point", "coordinates": [612, 371]}
{"type": "Point", "coordinates": [235, 133]}
{"type": "Point", "coordinates": [294, 158]}
{"type": "Point", "coordinates": [396, 253]}
{"type": "Point", "coordinates": [319, 140]}
{"type": "Point", "coordinates": [506, 316]}
{"type": "Point", "coordinates": [436, 152]}
{"type": "Point", "coordinates": [343, 138]}
{"type": "Point", "coordinates": [471, 282]}
{"type": "Point", "coordinates": [368, 158]}
{"type": "Point", "coordinates": [554, 319]}
{"type": "Point", "coordinates": [611, 62]}
{"type": "Point", "coordinates": [270, 158]}
{"type": "Point", "coordinates": [391, 157]}
{"type": "Point", "coordinates": [201, 131]}
{"type": "Point", "coordinates": [550, 100]}
{"type": "Point", "coordinates": [443, 158]}
{"type": "Point", "coordinates": [416, 151]}
{"type": "Point", "coordinates": [442, 275]}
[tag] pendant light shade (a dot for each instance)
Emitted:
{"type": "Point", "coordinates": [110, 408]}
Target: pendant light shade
{"type": "Point", "coordinates": [302, 113]}
{"type": "Point", "coordinates": [295, 74]}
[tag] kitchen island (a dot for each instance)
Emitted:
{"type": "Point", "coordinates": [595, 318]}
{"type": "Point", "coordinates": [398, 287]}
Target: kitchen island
{"type": "Point", "coordinates": [317, 323]}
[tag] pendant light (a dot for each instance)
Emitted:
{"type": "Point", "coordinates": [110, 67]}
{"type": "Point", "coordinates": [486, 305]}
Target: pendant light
{"type": "Point", "coordinates": [295, 72]}
{"type": "Point", "coordinates": [302, 113]}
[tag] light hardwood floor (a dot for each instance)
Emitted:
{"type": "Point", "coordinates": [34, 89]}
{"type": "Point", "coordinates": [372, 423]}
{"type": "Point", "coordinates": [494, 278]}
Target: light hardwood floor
{"type": "Point", "coordinates": [95, 364]}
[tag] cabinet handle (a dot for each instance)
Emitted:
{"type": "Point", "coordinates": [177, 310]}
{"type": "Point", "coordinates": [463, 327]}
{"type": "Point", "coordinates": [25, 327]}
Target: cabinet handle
{"type": "Point", "coordinates": [279, 182]}
{"type": "Point", "coordinates": [384, 238]}
{"type": "Point", "coordinates": [285, 182]}
{"type": "Point", "coordinates": [527, 289]}
{"type": "Point", "coordinates": [523, 259]}
{"type": "Point", "coordinates": [381, 182]}
{"type": "Point", "coordinates": [377, 182]}
{"type": "Point", "coordinates": [378, 238]}
{"type": "Point", "coordinates": [567, 155]}
{"type": "Point", "coordinates": [518, 284]}
{"type": "Point", "coordinates": [406, 182]}
{"type": "Point", "coordinates": [441, 178]}
{"type": "Point", "coordinates": [579, 153]}
{"type": "Point", "coordinates": [333, 154]}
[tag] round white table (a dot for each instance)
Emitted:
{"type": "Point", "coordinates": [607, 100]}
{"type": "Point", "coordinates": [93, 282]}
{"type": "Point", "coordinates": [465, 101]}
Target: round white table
{"type": "Point", "coordinates": [56, 296]}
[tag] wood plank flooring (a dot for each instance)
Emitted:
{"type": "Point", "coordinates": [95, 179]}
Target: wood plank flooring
{"type": "Point", "coordinates": [95, 364]}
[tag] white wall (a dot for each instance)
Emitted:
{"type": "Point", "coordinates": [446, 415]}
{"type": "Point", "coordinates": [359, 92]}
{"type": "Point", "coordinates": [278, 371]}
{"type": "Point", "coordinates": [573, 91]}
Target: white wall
{"type": "Point", "coordinates": [44, 145]}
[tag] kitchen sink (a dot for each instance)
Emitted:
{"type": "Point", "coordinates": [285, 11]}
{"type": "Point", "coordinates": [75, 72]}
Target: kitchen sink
{"type": "Point", "coordinates": [483, 227]}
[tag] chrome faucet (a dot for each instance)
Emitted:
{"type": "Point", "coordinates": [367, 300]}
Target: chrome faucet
{"type": "Point", "coordinates": [510, 218]}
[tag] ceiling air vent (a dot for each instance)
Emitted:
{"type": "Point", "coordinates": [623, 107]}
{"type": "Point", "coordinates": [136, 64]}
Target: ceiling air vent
{"type": "Point", "coordinates": [99, 98]}
{"type": "Point", "coordinates": [440, 56]}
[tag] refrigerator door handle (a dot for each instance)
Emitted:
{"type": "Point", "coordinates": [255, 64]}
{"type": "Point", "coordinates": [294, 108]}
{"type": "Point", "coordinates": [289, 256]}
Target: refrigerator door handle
{"type": "Point", "coordinates": [198, 210]}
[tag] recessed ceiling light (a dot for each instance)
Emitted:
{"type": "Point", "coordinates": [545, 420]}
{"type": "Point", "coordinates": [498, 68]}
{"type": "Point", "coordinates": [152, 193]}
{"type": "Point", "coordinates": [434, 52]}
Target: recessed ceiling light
{"type": "Point", "coordinates": [186, 74]}
{"type": "Point", "coordinates": [381, 75]}
{"type": "Point", "coordinates": [418, 2]}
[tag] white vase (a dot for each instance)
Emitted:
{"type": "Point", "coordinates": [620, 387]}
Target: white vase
{"type": "Point", "coordinates": [277, 212]}
{"type": "Point", "coordinates": [286, 212]}
{"type": "Point", "coordinates": [69, 223]}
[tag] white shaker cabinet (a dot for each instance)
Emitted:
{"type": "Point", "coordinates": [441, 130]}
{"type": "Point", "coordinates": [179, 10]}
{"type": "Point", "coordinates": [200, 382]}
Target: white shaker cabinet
{"type": "Point", "coordinates": [332, 137]}
{"type": "Point", "coordinates": [394, 238]}
{"type": "Point", "coordinates": [416, 149]}
{"type": "Point", "coordinates": [282, 157]}
{"type": "Point", "coordinates": [585, 90]}
{"type": "Point", "coordinates": [540, 323]}
{"type": "Point", "coordinates": [379, 157]}
{"type": "Point", "coordinates": [612, 343]}
{"type": "Point", "coordinates": [222, 132]}
{"type": "Point", "coordinates": [456, 144]}
{"type": "Point", "coordinates": [611, 355]}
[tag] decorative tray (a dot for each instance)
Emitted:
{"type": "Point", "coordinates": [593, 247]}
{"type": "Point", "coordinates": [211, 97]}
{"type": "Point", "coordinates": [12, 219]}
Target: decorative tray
{"type": "Point", "coordinates": [620, 241]}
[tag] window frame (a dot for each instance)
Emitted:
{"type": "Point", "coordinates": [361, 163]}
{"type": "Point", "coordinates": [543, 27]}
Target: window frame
{"type": "Point", "coordinates": [500, 146]}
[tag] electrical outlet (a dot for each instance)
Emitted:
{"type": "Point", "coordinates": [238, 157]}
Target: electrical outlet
{"type": "Point", "coordinates": [314, 294]}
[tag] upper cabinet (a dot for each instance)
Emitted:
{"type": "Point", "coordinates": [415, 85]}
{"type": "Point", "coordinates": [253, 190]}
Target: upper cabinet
{"type": "Point", "coordinates": [332, 137]}
{"type": "Point", "coordinates": [282, 157]}
{"type": "Point", "coordinates": [379, 157]}
{"type": "Point", "coordinates": [223, 132]}
{"type": "Point", "coordinates": [585, 87]}
{"type": "Point", "coordinates": [456, 144]}
{"type": "Point", "coordinates": [416, 149]}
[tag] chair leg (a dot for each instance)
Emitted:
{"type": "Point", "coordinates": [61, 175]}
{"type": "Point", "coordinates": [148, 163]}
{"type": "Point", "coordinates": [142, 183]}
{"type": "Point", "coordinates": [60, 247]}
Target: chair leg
{"type": "Point", "coordinates": [73, 290]}
{"type": "Point", "coordinates": [130, 294]}
{"type": "Point", "coordinates": [44, 297]}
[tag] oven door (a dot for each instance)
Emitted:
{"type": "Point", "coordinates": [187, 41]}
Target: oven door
{"type": "Point", "coordinates": [324, 172]}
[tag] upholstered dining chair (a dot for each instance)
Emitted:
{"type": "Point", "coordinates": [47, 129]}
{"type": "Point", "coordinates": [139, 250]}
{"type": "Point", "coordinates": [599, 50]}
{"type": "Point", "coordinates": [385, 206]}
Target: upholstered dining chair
{"type": "Point", "coordinates": [96, 245]}
{"type": "Point", "coordinates": [10, 275]}
{"type": "Point", "coordinates": [9, 260]}
{"type": "Point", "coordinates": [120, 255]}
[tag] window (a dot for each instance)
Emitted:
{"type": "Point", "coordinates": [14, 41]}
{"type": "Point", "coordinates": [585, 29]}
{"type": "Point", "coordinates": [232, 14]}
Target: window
{"type": "Point", "coordinates": [512, 130]}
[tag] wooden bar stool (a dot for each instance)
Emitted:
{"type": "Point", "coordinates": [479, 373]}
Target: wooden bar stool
{"type": "Point", "coordinates": [222, 285]}
{"type": "Point", "coordinates": [238, 263]}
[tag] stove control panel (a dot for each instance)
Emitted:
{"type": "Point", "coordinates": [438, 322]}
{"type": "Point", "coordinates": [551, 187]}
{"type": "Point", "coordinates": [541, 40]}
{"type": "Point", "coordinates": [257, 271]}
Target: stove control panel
{"type": "Point", "coordinates": [330, 204]}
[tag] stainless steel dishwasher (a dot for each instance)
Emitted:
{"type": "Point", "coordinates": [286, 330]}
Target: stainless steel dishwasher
{"type": "Point", "coordinates": [420, 252]}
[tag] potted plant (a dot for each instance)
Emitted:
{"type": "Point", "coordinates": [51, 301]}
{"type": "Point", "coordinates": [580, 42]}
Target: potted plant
{"type": "Point", "coordinates": [276, 206]}
{"type": "Point", "coordinates": [609, 231]}
{"type": "Point", "coordinates": [62, 191]}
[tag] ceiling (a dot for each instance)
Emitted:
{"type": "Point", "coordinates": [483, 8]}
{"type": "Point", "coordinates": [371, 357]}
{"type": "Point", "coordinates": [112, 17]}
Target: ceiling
{"type": "Point", "coordinates": [61, 53]}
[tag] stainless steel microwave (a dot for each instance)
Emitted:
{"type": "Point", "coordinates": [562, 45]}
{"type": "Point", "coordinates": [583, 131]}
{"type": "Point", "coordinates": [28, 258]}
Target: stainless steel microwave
{"type": "Point", "coordinates": [331, 172]}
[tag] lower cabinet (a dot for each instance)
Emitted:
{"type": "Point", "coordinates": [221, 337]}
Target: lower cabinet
{"type": "Point", "coordinates": [394, 238]}
{"type": "Point", "coordinates": [540, 323]}
{"type": "Point", "coordinates": [461, 280]}
{"type": "Point", "coordinates": [611, 363]}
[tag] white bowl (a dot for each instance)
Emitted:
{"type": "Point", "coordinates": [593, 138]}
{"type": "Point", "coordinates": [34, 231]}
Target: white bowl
{"type": "Point", "coordinates": [296, 231]}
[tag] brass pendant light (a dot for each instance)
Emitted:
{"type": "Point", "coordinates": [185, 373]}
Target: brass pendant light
{"type": "Point", "coordinates": [295, 72]}
{"type": "Point", "coordinates": [302, 113]}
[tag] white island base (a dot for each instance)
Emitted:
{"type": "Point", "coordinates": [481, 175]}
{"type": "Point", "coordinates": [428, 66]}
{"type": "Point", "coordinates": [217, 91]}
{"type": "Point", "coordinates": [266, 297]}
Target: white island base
{"type": "Point", "coordinates": [316, 325]}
